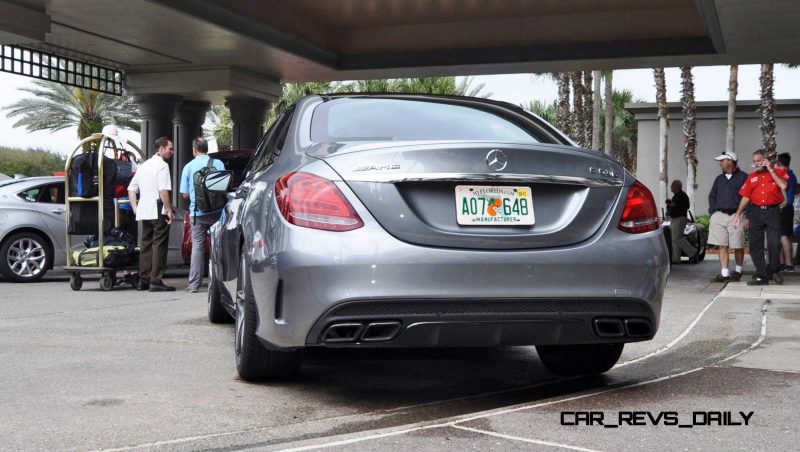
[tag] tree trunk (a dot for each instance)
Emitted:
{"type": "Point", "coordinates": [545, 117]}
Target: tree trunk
{"type": "Point", "coordinates": [767, 108]}
{"type": "Point", "coordinates": [689, 132]}
{"type": "Point", "coordinates": [733, 87]}
{"type": "Point", "coordinates": [564, 120]}
{"type": "Point", "coordinates": [609, 95]}
{"type": "Point", "coordinates": [596, 105]}
{"type": "Point", "coordinates": [588, 108]}
{"type": "Point", "coordinates": [578, 126]}
{"type": "Point", "coordinates": [663, 129]}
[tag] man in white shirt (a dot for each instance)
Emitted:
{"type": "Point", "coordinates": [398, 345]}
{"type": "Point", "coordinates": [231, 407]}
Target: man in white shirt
{"type": "Point", "coordinates": [149, 195]}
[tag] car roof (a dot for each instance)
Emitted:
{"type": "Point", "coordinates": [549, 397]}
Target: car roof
{"type": "Point", "coordinates": [422, 96]}
{"type": "Point", "coordinates": [30, 181]}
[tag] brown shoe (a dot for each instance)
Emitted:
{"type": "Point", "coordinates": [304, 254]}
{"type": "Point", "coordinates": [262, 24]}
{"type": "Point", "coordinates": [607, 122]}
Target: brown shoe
{"type": "Point", "coordinates": [720, 278]}
{"type": "Point", "coordinates": [736, 276]}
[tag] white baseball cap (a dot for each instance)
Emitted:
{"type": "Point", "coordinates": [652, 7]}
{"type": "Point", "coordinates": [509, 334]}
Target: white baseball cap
{"type": "Point", "coordinates": [727, 155]}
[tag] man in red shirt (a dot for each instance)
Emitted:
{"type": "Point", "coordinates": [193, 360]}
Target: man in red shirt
{"type": "Point", "coordinates": [763, 190]}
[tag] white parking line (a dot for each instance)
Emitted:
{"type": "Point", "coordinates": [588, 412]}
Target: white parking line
{"type": "Point", "coordinates": [755, 344]}
{"type": "Point", "coordinates": [658, 351]}
{"type": "Point", "coordinates": [674, 341]}
{"type": "Point", "coordinates": [525, 440]}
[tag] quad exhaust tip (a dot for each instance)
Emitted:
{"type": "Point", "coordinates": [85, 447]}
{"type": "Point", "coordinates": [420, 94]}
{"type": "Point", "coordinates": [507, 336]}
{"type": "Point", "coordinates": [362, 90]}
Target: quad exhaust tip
{"type": "Point", "coordinates": [342, 332]}
{"type": "Point", "coordinates": [380, 331]}
{"type": "Point", "coordinates": [361, 332]}
{"type": "Point", "coordinates": [609, 327]}
{"type": "Point", "coordinates": [614, 327]}
{"type": "Point", "coordinates": [638, 328]}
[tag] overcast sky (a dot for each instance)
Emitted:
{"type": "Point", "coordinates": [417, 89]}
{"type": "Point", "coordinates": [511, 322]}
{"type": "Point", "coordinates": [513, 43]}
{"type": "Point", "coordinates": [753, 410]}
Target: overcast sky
{"type": "Point", "coordinates": [711, 84]}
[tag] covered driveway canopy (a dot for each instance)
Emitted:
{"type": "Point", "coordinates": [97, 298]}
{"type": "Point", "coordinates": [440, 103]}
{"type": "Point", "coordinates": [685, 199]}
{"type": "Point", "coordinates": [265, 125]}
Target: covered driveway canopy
{"type": "Point", "coordinates": [212, 49]}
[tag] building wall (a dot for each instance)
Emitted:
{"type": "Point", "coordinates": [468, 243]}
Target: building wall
{"type": "Point", "coordinates": [711, 124]}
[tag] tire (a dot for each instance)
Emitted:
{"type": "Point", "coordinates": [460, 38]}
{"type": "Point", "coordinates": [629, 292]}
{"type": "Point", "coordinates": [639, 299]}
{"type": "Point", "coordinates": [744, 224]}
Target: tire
{"type": "Point", "coordinates": [216, 312]}
{"type": "Point", "coordinates": [583, 359]}
{"type": "Point", "coordinates": [106, 282]}
{"type": "Point", "coordinates": [254, 362]}
{"type": "Point", "coordinates": [75, 281]}
{"type": "Point", "coordinates": [25, 257]}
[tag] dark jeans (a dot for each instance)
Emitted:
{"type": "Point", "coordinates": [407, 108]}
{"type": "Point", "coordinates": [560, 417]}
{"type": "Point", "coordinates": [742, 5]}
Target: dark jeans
{"type": "Point", "coordinates": [153, 251]}
{"type": "Point", "coordinates": [761, 221]}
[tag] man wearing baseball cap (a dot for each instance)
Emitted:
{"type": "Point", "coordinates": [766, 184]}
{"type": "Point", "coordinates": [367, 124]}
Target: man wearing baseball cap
{"type": "Point", "coordinates": [723, 200]}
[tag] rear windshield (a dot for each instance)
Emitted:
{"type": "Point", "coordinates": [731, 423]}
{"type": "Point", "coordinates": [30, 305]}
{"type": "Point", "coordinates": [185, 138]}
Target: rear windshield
{"type": "Point", "coordinates": [404, 119]}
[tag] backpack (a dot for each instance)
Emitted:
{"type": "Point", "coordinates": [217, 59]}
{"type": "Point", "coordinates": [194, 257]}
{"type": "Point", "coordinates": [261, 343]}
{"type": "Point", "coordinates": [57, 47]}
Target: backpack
{"type": "Point", "coordinates": [204, 200]}
{"type": "Point", "coordinates": [83, 175]}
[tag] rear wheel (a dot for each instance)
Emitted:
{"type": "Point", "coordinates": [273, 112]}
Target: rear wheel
{"type": "Point", "coordinates": [582, 359]}
{"type": "Point", "coordinates": [25, 257]}
{"type": "Point", "coordinates": [254, 362]}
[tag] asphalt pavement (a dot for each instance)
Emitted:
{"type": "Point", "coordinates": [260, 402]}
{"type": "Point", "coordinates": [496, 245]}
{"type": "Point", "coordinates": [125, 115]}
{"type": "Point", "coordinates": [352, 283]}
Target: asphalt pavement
{"type": "Point", "coordinates": [128, 370]}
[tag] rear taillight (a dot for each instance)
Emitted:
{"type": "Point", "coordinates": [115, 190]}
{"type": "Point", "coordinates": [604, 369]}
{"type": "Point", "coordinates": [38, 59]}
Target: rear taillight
{"type": "Point", "coordinates": [640, 213]}
{"type": "Point", "coordinates": [314, 202]}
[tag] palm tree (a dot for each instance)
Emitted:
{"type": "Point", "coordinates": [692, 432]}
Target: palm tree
{"type": "Point", "coordinates": [609, 111]}
{"type": "Point", "coordinates": [439, 85]}
{"type": "Point", "coordinates": [53, 106]}
{"type": "Point", "coordinates": [588, 108]}
{"type": "Point", "coordinates": [369, 86]}
{"type": "Point", "coordinates": [578, 123]}
{"type": "Point", "coordinates": [767, 107]}
{"type": "Point", "coordinates": [547, 111]}
{"type": "Point", "coordinates": [221, 126]}
{"type": "Point", "coordinates": [292, 92]}
{"type": "Point", "coordinates": [733, 87]}
{"type": "Point", "coordinates": [596, 102]}
{"type": "Point", "coordinates": [564, 121]}
{"type": "Point", "coordinates": [663, 130]}
{"type": "Point", "coordinates": [689, 131]}
{"type": "Point", "coordinates": [623, 128]}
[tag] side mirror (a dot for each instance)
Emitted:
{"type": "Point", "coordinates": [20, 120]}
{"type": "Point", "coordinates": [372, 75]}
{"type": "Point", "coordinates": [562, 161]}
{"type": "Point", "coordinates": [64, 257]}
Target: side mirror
{"type": "Point", "coordinates": [218, 181]}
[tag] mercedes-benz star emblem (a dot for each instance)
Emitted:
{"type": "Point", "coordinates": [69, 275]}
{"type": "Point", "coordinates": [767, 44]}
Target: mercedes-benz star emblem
{"type": "Point", "coordinates": [496, 160]}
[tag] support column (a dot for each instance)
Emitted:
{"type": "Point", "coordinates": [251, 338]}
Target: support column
{"type": "Point", "coordinates": [156, 112]}
{"type": "Point", "coordinates": [187, 124]}
{"type": "Point", "coordinates": [248, 117]}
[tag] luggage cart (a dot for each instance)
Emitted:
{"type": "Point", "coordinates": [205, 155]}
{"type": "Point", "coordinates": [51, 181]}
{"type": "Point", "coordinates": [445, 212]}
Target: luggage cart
{"type": "Point", "coordinates": [101, 143]}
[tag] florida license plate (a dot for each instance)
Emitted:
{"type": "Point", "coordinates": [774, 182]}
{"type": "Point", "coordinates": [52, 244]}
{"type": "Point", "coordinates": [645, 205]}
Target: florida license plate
{"type": "Point", "coordinates": [494, 206]}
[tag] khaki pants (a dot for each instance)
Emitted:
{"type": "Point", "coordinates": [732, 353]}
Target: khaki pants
{"type": "Point", "coordinates": [153, 251]}
{"type": "Point", "coordinates": [679, 242]}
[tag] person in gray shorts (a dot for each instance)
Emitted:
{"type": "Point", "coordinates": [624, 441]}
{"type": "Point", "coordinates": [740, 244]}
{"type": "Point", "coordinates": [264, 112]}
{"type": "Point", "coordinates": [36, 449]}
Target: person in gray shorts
{"type": "Point", "coordinates": [723, 200]}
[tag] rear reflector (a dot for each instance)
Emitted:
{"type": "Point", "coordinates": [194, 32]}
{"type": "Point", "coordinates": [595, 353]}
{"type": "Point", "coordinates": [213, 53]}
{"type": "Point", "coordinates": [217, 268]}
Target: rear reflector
{"type": "Point", "coordinates": [314, 202]}
{"type": "Point", "coordinates": [640, 213]}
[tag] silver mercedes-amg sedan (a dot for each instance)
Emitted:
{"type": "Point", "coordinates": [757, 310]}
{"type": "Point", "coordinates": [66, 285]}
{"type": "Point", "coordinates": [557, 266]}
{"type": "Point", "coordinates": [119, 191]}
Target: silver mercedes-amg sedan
{"type": "Point", "coordinates": [433, 221]}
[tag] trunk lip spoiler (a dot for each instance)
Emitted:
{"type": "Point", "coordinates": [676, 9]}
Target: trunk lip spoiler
{"type": "Point", "coordinates": [483, 177]}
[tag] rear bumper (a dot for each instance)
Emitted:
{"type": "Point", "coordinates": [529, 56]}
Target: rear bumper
{"type": "Point", "coordinates": [480, 323]}
{"type": "Point", "coordinates": [309, 280]}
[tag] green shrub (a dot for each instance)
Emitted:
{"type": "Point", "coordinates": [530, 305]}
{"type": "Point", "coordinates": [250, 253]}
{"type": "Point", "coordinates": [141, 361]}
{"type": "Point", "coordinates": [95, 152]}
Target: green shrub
{"type": "Point", "coordinates": [30, 162]}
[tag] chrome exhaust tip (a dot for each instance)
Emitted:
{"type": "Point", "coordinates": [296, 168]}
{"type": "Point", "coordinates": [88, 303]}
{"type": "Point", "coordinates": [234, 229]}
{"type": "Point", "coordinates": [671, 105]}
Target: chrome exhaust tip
{"type": "Point", "coordinates": [609, 327]}
{"type": "Point", "coordinates": [380, 331]}
{"type": "Point", "coordinates": [638, 328]}
{"type": "Point", "coordinates": [342, 332]}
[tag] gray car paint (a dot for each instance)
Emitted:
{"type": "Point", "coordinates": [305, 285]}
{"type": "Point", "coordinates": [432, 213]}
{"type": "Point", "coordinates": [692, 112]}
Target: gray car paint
{"type": "Point", "coordinates": [318, 270]}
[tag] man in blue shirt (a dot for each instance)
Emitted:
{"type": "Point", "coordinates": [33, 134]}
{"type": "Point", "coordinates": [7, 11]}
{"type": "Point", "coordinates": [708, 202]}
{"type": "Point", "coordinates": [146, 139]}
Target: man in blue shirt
{"type": "Point", "coordinates": [787, 215]}
{"type": "Point", "coordinates": [201, 221]}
